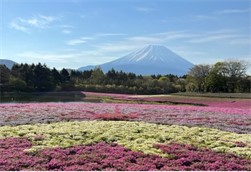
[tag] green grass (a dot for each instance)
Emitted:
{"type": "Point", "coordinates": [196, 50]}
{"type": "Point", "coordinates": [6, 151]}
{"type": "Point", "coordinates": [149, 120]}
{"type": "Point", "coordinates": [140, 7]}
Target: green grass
{"type": "Point", "coordinates": [215, 95]}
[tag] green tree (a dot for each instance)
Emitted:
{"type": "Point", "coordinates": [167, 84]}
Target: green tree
{"type": "Point", "coordinates": [25, 72]}
{"type": "Point", "coordinates": [17, 84]}
{"type": "Point", "coordinates": [43, 78]}
{"type": "Point", "coordinates": [56, 77]}
{"type": "Point", "coordinates": [165, 84]}
{"type": "Point", "coordinates": [180, 85]}
{"type": "Point", "coordinates": [216, 79]}
{"type": "Point", "coordinates": [228, 76]}
{"type": "Point", "coordinates": [97, 76]}
{"type": "Point", "coordinates": [65, 76]}
{"type": "Point", "coordinates": [235, 70]}
{"type": "Point", "coordinates": [197, 75]}
{"type": "Point", "coordinates": [244, 85]}
{"type": "Point", "coordinates": [4, 74]}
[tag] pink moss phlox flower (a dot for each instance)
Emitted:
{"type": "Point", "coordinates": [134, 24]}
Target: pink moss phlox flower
{"type": "Point", "coordinates": [104, 156]}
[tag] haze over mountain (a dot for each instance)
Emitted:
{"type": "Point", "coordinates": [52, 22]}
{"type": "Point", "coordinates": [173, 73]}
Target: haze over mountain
{"type": "Point", "coordinates": [152, 59]}
{"type": "Point", "coordinates": [7, 63]}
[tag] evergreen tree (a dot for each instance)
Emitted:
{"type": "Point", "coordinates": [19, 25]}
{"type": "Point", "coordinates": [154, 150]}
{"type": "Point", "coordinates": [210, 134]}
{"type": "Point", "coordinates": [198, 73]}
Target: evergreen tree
{"type": "Point", "coordinates": [4, 74]}
{"type": "Point", "coordinates": [56, 77]}
{"type": "Point", "coordinates": [65, 76]}
{"type": "Point", "coordinates": [43, 78]}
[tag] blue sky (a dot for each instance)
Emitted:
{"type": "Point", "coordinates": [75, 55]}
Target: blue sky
{"type": "Point", "coordinates": [75, 33]}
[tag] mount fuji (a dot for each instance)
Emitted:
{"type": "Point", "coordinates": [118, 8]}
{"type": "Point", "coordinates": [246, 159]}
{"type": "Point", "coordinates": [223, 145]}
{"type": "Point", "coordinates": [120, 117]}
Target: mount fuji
{"type": "Point", "coordinates": [152, 59]}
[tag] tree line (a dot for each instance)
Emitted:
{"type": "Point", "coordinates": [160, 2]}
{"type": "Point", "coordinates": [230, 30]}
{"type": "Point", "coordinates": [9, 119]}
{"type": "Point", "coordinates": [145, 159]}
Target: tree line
{"type": "Point", "coordinates": [227, 76]}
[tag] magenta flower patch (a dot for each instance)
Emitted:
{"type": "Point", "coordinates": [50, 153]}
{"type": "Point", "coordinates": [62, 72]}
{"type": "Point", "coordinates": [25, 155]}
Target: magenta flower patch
{"type": "Point", "coordinates": [109, 157]}
{"type": "Point", "coordinates": [229, 119]}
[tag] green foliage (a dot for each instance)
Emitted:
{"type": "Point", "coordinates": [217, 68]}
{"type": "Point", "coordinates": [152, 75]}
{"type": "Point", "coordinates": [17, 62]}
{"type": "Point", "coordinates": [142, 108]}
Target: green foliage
{"type": "Point", "coordinates": [228, 76]}
{"type": "Point", "coordinates": [97, 76]}
{"type": "Point", "coordinates": [38, 77]}
{"type": "Point", "coordinates": [43, 78]}
{"type": "Point", "coordinates": [121, 82]}
{"type": "Point", "coordinates": [17, 84]}
{"type": "Point", "coordinates": [56, 77]}
{"type": "Point", "coordinates": [4, 74]}
{"type": "Point", "coordinates": [64, 76]}
{"type": "Point", "coordinates": [197, 75]}
{"type": "Point", "coordinates": [221, 77]}
{"type": "Point", "coordinates": [215, 81]}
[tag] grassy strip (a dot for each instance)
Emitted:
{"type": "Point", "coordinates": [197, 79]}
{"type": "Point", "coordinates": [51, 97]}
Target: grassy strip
{"type": "Point", "coordinates": [142, 101]}
{"type": "Point", "coordinates": [215, 95]}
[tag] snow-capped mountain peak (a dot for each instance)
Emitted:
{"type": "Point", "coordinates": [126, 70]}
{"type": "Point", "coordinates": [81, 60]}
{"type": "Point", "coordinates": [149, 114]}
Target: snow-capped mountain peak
{"type": "Point", "coordinates": [150, 54]}
{"type": "Point", "coordinates": [155, 52]}
{"type": "Point", "coordinates": [152, 59]}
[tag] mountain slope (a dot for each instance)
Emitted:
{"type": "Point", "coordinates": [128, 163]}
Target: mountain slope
{"type": "Point", "coordinates": [152, 59]}
{"type": "Point", "coordinates": [7, 63]}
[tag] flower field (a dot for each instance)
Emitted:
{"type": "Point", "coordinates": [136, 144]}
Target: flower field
{"type": "Point", "coordinates": [243, 103]}
{"type": "Point", "coordinates": [132, 137]}
{"type": "Point", "coordinates": [236, 120]}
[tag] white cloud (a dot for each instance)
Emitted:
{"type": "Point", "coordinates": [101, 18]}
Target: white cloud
{"type": "Point", "coordinates": [76, 41]}
{"type": "Point", "coordinates": [66, 31]}
{"type": "Point", "coordinates": [83, 40]}
{"type": "Point", "coordinates": [65, 26]}
{"type": "Point", "coordinates": [48, 19]}
{"type": "Point", "coordinates": [232, 11]}
{"type": "Point", "coordinates": [145, 9]}
{"type": "Point", "coordinates": [63, 59]}
{"type": "Point", "coordinates": [109, 34]}
{"type": "Point", "coordinates": [211, 38]}
{"type": "Point", "coordinates": [79, 40]}
{"type": "Point", "coordinates": [118, 47]}
{"type": "Point", "coordinates": [203, 17]}
{"type": "Point", "coordinates": [243, 41]}
{"type": "Point", "coordinates": [40, 21]}
{"type": "Point", "coordinates": [46, 56]}
{"type": "Point", "coordinates": [145, 39]}
{"type": "Point", "coordinates": [159, 38]}
{"type": "Point", "coordinates": [37, 21]}
{"type": "Point", "coordinates": [215, 15]}
{"type": "Point", "coordinates": [174, 35]}
{"type": "Point", "coordinates": [17, 26]}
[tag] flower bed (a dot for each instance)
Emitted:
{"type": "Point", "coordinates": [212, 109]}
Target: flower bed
{"type": "Point", "coordinates": [229, 119]}
{"type": "Point", "coordinates": [95, 136]}
{"type": "Point", "coordinates": [109, 157]}
{"type": "Point", "coordinates": [137, 136]}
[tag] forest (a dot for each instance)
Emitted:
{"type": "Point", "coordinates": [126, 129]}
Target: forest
{"type": "Point", "coordinates": [227, 77]}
